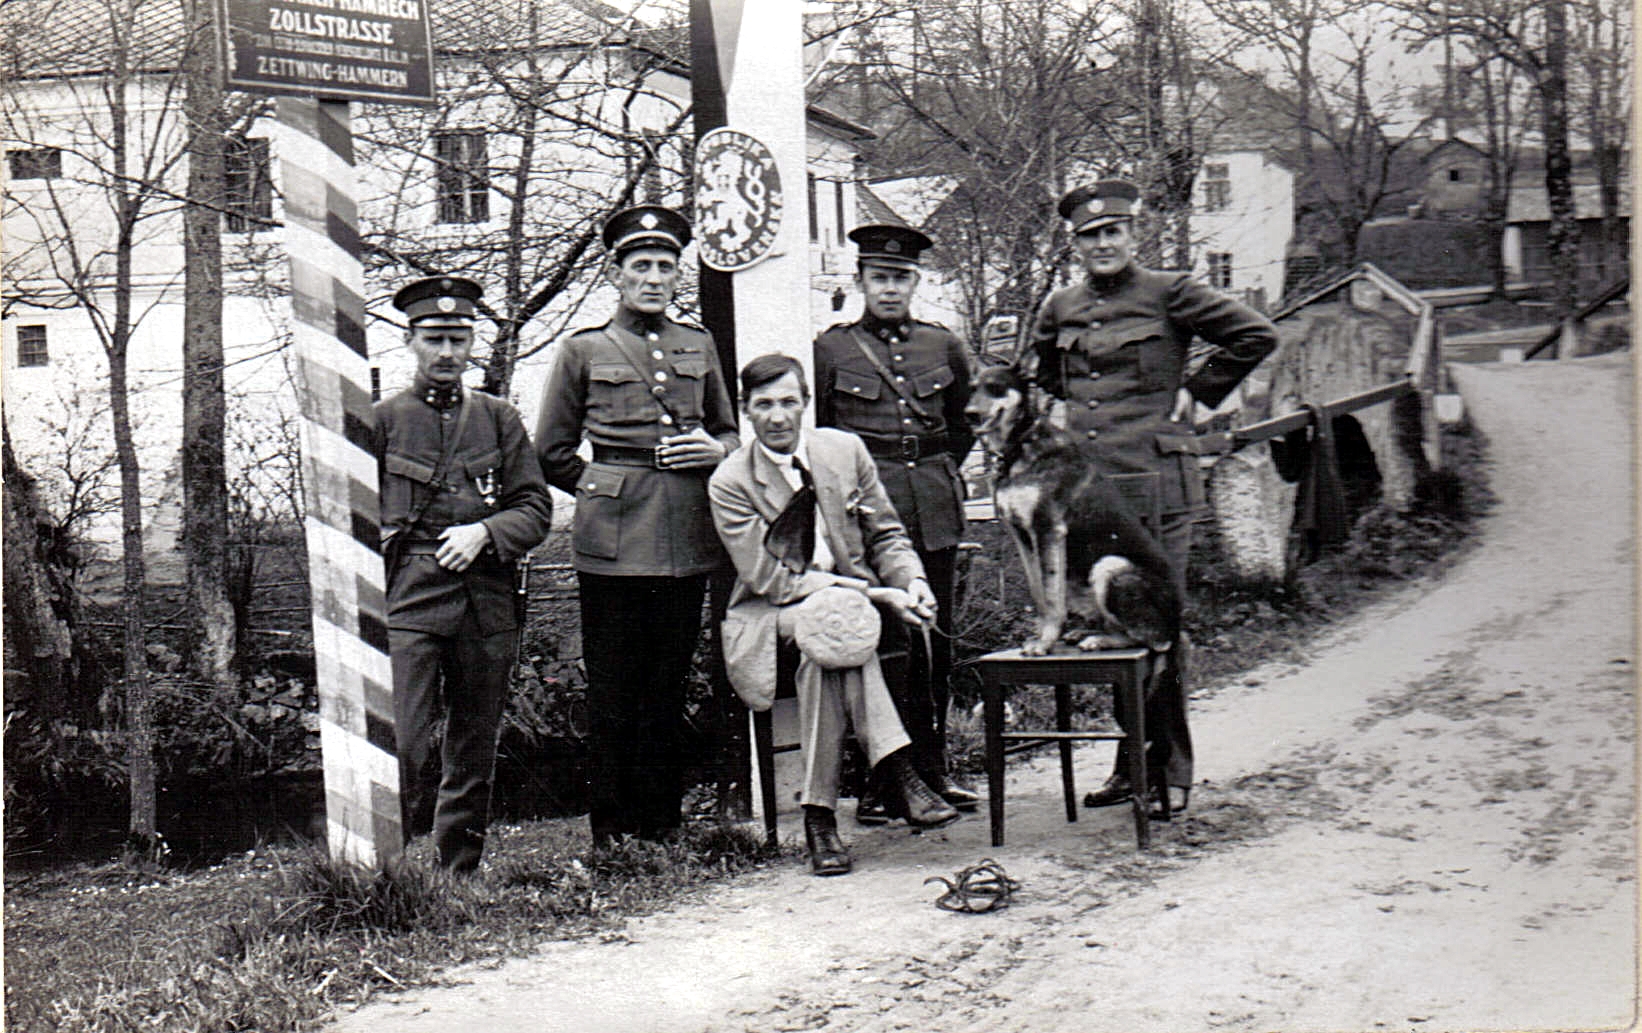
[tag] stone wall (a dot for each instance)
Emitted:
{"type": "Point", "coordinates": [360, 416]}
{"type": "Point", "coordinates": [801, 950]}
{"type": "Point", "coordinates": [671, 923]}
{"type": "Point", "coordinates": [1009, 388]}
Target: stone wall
{"type": "Point", "coordinates": [1349, 340]}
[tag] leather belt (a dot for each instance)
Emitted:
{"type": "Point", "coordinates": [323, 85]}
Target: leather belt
{"type": "Point", "coordinates": [908, 448]}
{"type": "Point", "coordinates": [421, 547]}
{"type": "Point", "coordinates": [624, 455]}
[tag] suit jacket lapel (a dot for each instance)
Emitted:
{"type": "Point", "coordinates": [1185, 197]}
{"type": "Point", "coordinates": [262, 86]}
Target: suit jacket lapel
{"type": "Point", "coordinates": [827, 465]}
{"type": "Point", "coordinates": [773, 490]}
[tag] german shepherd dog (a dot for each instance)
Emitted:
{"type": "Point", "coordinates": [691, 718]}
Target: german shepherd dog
{"type": "Point", "coordinates": [1066, 517]}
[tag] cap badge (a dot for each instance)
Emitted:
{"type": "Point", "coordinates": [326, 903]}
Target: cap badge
{"type": "Point", "coordinates": [1097, 206]}
{"type": "Point", "coordinates": [892, 246]}
{"type": "Point", "coordinates": [649, 221]}
{"type": "Point", "coordinates": [447, 304]}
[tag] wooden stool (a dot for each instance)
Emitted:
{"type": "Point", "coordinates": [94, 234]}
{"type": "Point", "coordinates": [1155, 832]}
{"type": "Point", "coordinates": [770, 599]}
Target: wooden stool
{"type": "Point", "coordinates": [1126, 670]}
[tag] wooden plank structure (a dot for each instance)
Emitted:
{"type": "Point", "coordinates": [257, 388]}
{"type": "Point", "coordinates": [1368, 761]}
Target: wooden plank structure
{"type": "Point", "coordinates": [339, 482]}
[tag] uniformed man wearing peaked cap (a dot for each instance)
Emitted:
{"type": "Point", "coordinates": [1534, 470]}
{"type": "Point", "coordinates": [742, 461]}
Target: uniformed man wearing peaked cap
{"type": "Point", "coordinates": [462, 500]}
{"type": "Point", "coordinates": [901, 385]}
{"type": "Point", "coordinates": [1113, 346]}
{"type": "Point", "coordinates": [648, 394]}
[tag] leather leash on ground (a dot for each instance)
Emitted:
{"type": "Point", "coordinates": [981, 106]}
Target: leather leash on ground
{"type": "Point", "coordinates": [977, 889]}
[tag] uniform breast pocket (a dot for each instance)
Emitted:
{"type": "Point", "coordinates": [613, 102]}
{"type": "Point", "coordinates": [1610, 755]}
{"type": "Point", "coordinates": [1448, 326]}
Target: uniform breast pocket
{"type": "Point", "coordinates": [484, 476]}
{"type": "Point", "coordinates": [691, 371]}
{"type": "Point", "coordinates": [598, 513]}
{"type": "Point", "coordinates": [1153, 347]}
{"type": "Point", "coordinates": [931, 380]}
{"type": "Point", "coordinates": [404, 474]}
{"type": "Point", "coordinates": [616, 393]}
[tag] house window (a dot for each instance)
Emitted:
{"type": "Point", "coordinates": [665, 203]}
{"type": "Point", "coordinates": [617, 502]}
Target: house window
{"type": "Point", "coordinates": [1456, 176]}
{"type": "Point", "coordinates": [248, 189]}
{"type": "Point", "coordinates": [815, 219]}
{"type": "Point", "coordinates": [31, 346]}
{"type": "Point", "coordinates": [1220, 269]}
{"type": "Point", "coordinates": [37, 163]}
{"type": "Point", "coordinates": [463, 176]}
{"type": "Point", "coordinates": [1216, 187]}
{"type": "Point", "coordinates": [838, 209]}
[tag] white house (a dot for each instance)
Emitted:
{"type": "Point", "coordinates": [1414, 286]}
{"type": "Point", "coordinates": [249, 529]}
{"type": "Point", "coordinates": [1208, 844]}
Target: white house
{"type": "Point", "coordinates": [432, 184]}
{"type": "Point", "coordinates": [1242, 224]}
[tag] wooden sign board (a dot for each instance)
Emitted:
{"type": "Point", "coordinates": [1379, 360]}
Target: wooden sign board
{"type": "Point", "coordinates": [367, 50]}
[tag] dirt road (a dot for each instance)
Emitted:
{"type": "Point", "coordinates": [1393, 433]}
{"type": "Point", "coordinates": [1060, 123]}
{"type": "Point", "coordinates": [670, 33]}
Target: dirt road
{"type": "Point", "coordinates": [1428, 825]}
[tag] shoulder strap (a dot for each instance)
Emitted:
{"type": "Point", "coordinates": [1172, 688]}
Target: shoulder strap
{"type": "Point", "coordinates": [889, 378]}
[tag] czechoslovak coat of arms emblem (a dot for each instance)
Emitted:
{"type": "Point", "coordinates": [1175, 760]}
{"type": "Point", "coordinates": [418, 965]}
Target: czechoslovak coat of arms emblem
{"type": "Point", "coordinates": [738, 200]}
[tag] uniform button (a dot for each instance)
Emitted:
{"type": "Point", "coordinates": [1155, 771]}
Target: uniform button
{"type": "Point", "coordinates": [900, 358]}
{"type": "Point", "coordinates": [912, 466]}
{"type": "Point", "coordinates": [906, 419]}
{"type": "Point", "coordinates": [1094, 324]}
{"type": "Point", "coordinates": [657, 355]}
{"type": "Point", "coordinates": [590, 485]}
{"type": "Point", "coordinates": [666, 420]}
{"type": "Point", "coordinates": [661, 376]}
{"type": "Point", "coordinates": [652, 336]}
{"type": "Point", "coordinates": [1093, 404]}
{"type": "Point", "coordinates": [1092, 435]}
{"type": "Point", "coordinates": [445, 416]}
{"type": "Point", "coordinates": [1093, 375]}
{"type": "Point", "coordinates": [902, 402]}
{"type": "Point", "coordinates": [856, 388]}
{"type": "Point", "coordinates": [657, 390]}
{"type": "Point", "coordinates": [900, 380]}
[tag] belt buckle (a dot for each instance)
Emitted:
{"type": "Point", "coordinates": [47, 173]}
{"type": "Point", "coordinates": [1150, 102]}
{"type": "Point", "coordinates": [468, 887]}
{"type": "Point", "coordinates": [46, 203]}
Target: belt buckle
{"type": "Point", "coordinates": [655, 459]}
{"type": "Point", "coordinates": [910, 448]}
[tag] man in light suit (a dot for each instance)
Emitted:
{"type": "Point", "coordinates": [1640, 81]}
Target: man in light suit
{"type": "Point", "coordinates": [824, 484]}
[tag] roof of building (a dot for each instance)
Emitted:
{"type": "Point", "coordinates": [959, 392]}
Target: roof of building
{"type": "Point", "coordinates": [870, 208]}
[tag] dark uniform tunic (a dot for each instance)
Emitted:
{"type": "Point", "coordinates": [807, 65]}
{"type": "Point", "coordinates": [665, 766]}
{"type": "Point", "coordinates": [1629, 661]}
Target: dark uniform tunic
{"type": "Point", "coordinates": [918, 463]}
{"type": "Point", "coordinates": [458, 629]}
{"type": "Point", "coordinates": [643, 545]}
{"type": "Point", "coordinates": [1115, 349]}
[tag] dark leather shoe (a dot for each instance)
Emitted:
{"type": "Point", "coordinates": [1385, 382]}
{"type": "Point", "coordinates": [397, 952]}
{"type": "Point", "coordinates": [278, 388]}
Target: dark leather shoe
{"type": "Point", "coordinates": [919, 804]}
{"type": "Point", "coordinates": [828, 855]}
{"type": "Point", "coordinates": [959, 797]}
{"type": "Point", "coordinates": [872, 808]}
{"type": "Point", "coordinates": [1116, 790]}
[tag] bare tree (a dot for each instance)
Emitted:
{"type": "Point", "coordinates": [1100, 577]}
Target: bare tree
{"type": "Point", "coordinates": [204, 476]}
{"type": "Point", "coordinates": [1533, 36]}
{"type": "Point", "coordinates": [1604, 72]}
{"type": "Point", "coordinates": [1344, 117]}
{"type": "Point", "coordinates": [116, 129]}
{"type": "Point", "coordinates": [538, 104]}
{"type": "Point", "coordinates": [1001, 103]}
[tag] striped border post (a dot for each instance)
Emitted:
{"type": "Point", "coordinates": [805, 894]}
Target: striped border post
{"type": "Point", "coordinates": [345, 572]}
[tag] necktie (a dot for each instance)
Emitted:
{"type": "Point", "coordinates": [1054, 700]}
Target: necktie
{"type": "Point", "coordinates": [791, 537]}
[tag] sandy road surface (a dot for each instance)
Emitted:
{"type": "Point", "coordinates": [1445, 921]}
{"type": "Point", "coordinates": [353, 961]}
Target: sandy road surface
{"type": "Point", "coordinates": [1428, 825]}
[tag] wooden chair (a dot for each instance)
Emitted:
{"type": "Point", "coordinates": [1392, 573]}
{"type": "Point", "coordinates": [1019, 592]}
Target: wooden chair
{"type": "Point", "coordinates": [1128, 671]}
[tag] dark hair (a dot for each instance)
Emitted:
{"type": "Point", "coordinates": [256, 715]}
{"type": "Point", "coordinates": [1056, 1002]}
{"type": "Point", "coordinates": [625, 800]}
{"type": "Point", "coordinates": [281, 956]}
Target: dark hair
{"type": "Point", "coordinates": [767, 369]}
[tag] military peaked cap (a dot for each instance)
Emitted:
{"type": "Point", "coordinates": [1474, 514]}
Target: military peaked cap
{"type": "Point", "coordinates": [887, 244]}
{"type": "Point", "coordinates": [646, 225]}
{"type": "Point", "coordinates": [449, 299]}
{"type": "Point", "coordinates": [1107, 201]}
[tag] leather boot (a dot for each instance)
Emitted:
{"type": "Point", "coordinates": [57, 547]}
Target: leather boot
{"type": "Point", "coordinates": [963, 799]}
{"type": "Point", "coordinates": [828, 855]}
{"type": "Point", "coordinates": [873, 808]}
{"type": "Point", "coordinates": [920, 806]}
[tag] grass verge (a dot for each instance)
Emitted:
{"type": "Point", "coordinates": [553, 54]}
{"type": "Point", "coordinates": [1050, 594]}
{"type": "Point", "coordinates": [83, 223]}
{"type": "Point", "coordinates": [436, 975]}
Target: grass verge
{"type": "Point", "coordinates": [275, 940]}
